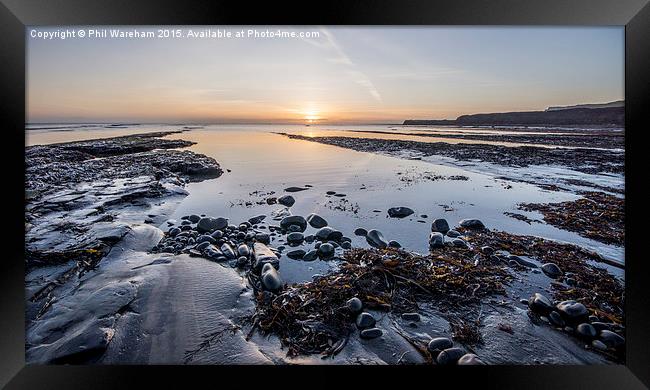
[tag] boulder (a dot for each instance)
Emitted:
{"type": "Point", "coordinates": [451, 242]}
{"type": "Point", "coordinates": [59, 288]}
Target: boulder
{"type": "Point", "coordinates": [440, 225]}
{"type": "Point", "coordinates": [316, 221]}
{"type": "Point", "coordinates": [296, 220]}
{"type": "Point", "coordinates": [472, 223]}
{"type": "Point", "coordinates": [376, 239]}
{"type": "Point", "coordinates": [209, 224]}
{"type": "Point", "coordinates": [399, 212]}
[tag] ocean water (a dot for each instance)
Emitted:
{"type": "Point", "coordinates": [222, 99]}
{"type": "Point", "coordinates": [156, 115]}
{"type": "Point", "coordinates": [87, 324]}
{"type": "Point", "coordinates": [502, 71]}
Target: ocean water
{"type": "Point", "coordinates": [258, 163]}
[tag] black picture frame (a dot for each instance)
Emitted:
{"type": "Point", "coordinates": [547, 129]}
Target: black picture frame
{"type": "Point", "coordinates": [16, 14]}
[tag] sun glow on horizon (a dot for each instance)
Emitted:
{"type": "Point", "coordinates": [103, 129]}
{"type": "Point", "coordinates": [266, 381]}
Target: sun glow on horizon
{"type": "Point", "coordinates": [312, 115]}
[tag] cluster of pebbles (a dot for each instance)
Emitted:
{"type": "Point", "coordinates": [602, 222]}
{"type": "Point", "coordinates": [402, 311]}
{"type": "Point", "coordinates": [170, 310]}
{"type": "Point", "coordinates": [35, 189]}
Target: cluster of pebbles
{"type": "Point", "coordinates": [442, 349]}
{"type": "Point", "coordinates": [569, 316]}
{"type": "Point", "coordinates": [247, 247]}
{"type": "Point", "coordinates": [574, 318]}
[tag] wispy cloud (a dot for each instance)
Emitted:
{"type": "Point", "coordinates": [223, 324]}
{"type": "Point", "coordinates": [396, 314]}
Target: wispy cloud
{"type": "Point", "coordinates": [353, 71]}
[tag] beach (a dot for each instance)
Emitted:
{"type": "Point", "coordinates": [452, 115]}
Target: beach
{"type": "Point", "coordinates": [208, 244]}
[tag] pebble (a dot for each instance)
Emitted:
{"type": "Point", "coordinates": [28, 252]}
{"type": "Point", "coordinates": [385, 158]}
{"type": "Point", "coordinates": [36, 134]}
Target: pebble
{"type": "Point", "coordinates": [324, 233]}
{"type": "Point", "coordinates": [586, 331]}
{"type": "Point", "coordinates": [256, 220]}
{"type": "Point", "coordinates": [459, 242]}
{"type": "Point", "coordinates": [360, 232]}
{"type": "Point", "coordinates": [469, 359]}
{"type": "Point", "coordinates": [243, 250]}
{"type": "Point", "coordinates": [573, 312]}
{"type": "Point", "coordinates": [242, 261]}
{"type": "Point", "coordinates": [316, 221]}
{"type": "Point", "coordinates": [346, 245]}
{"type": "Point", "coordinates": [202, 245]}
{"type": "Point", "coordinates": [551, 270]}
{"type": "Point", "coordinates": [365, 320]}
{"type": "Point", "coordinates": [394, 244]}
{"type": "Point", "coordinates": [415, 317]}
{"type": "Point", "coordinates": [326, 250]}
{"type": "Point", "coordinates": [597, 344]}
{"type": "Point", "coordinates": [270, 278]}
{"type": "Point", "coordinates": [296, 254]}
{"type": "Point", "coordinates": [453, 234]}
{"type": "Point", "coordinates": [194, 218]}
{"type": "Point", "coordinates": [521, 261]}
{"type": "Point", "coordinates": [600, 326]}
{"type": "Point", "coordinates": [295, 189]}
{"type": "Point", "coordinates": [173, 232]}
{"type": "Point", "coordinates": [263, 255]}
{"type": "Point", "coordinates": [264, 238]}
{"type": "Point", "coordinates": [471, 223]}
{"type": "Point", "coordinates": [287, 200]}
{"type": "Point", "coordinates": [450, 356]}
{"type": "Point", "coordinates": [206, 238]}
{"type": "Point", "coordinates": [439, 344]}
{"type": "Point", "coordinates": [227, 251]}
{"type": "Point", "coordinates": [371, 333]}
{"type": "Point", "coordinates": [611, 339]}
{"type": "Point", "coordinates": [208, 224]}
{"type": "Point", "coordinates": [295, 238]}
{"type": "Point", "coordinates": [556, 319]}
{"type": "Point", "coordinates": [195, 252]}
{"type": "Point", "coordinates": [440, 225]}
{"type": "Point", "coordinates": [311, 255]}
{"type": "Point", "coordinates": [376, 239]}
{"type": "Point", "coordinates": [213, 253]}
{"type": "Point", "coordinates": [539, 304]}
{"type": "Point", "coordinates": [436, 240]}
{"type": "Point", "coordinates": [293, 220]}
{"type": "Point", "coordinates": [354, 305]}
{"type": "Point", "coordinates": [399, 212]}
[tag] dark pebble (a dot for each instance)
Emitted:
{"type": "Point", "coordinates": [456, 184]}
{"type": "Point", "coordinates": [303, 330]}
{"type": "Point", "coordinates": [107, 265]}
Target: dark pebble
{"type": "Point", "coordinates": [450, 356]}
{"type": "Point", "coordinates": [365, 320]}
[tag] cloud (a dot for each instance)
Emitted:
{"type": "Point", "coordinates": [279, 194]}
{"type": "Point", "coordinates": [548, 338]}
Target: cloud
{"type": "Point", "coordinates": [357, 75]}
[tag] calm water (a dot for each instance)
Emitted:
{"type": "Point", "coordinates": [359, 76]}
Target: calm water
{"type": "Point", "coordinates": [262, 164]}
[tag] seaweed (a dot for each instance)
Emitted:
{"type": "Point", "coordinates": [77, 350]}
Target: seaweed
{"type": "Point", "coordinates": [598, 215]}
{"type": "Point", "coordinates": [313, 318]}
{"type": "Point", "coordinates": [595, 287]}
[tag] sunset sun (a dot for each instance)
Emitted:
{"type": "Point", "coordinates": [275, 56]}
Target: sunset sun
{"type": "Point", "coordinates": [311, 116]}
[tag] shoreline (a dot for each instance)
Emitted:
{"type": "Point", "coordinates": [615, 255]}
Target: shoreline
{"type": "Point", "coordinates": [592, 161]}
{"type": "Point", "coordinates": [125, 180]}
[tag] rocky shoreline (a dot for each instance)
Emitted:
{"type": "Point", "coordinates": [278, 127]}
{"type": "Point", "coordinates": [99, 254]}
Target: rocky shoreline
{"type": "Point", "coordinates": [605, 139]}
{"type": "Point", "coordinates": [580, 159]}
{"type": "Point", "coordinates": [96, 265]}
{"type": "Point", "coordinates": [79, 195]}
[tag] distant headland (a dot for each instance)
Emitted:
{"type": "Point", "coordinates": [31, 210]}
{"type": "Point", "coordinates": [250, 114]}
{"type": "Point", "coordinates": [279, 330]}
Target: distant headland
{"type": "Point", "coordinates": [605, 114]}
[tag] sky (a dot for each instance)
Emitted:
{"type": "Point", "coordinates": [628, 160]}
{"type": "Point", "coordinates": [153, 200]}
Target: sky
{"type": "Point", "coordinates": [342, 75]}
